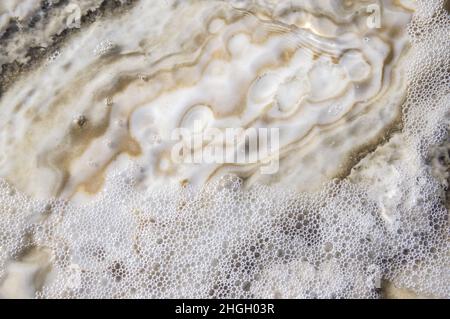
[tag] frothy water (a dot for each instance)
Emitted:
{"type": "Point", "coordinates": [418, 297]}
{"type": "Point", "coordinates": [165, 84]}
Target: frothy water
{"type": "Point", "coordinates": [92, 204]}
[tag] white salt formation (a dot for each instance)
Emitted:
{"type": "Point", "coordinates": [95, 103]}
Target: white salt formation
{"type": "Point", "coordinates": [92, 204]}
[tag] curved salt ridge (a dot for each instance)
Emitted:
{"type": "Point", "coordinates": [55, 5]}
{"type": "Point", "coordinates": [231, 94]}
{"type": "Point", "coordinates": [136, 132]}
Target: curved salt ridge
{"type": "Point", "coordinates": [247, 71]}
{"type": "Point", "coordinates": [140, 234]}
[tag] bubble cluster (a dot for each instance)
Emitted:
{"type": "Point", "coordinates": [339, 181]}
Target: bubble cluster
{"type": "Point", "coordinates": [228, 241]}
